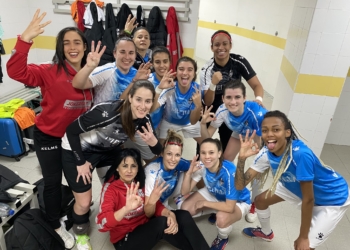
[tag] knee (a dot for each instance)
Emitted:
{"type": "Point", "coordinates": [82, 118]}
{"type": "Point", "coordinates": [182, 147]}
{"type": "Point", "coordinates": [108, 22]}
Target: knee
{"type": "Point", "coordinates": [83, 204]}
{"type": "Point", "coordinates": [183, 216]}
{"type": "Point", "coordinates": [221, 219]}
{"type": "Point", "coordinates": [188, 206]}
{"type": "Point", "coordinates": [259, 201]}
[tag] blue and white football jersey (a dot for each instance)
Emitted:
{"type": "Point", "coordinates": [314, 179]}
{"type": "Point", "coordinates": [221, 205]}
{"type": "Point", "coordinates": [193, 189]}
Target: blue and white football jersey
{"type": "Point", "coordinates": [157, 115]}
{"type": "Point", "coordinates": [222, 184]}
{"type": "Point", "coordinates": [109, 82]}
{"type": "Point", "coordinates": [251, 118]}
{"type": "Point", "coordinates": [155, 171]}
{"type": "Point", "coordinates": [330, 188]}
{"type": "Point", "coordinates": [178, 106]}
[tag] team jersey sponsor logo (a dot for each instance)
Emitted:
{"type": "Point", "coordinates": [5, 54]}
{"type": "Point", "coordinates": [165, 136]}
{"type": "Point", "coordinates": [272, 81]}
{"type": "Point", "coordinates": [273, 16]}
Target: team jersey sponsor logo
{"type": "Point", "coordinates": [81, 104]}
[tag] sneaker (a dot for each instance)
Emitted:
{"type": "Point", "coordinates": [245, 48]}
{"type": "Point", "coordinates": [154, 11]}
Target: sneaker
{"type": "Point", "coordinates": [219, 244]}
{"type": "Point", "coordinates": [83, 242]}
{"type": "Point", "coordinates": [67, 237]}
{"type": "Point", "coordinates": [251, 216]}
{"type": "Point", "coordinates": [253, 232]}
{"type": "Point", "coordinates": [212, 218]}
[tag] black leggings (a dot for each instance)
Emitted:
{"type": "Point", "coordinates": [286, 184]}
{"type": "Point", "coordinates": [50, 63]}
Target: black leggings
{"type": "Point", "coordinates": [146, 236]}
{"type": "Point", "coordinates": [48, 150]}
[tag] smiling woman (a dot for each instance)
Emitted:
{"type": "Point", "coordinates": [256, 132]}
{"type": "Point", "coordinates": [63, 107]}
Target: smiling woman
{"type": "Point", "coordinates": [61, 104]}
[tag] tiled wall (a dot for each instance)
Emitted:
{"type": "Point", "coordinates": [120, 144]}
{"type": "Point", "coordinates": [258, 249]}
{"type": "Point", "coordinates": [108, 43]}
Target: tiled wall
{"type": "Point", "coordinates": [316, 67]}
{"type": "Point", "coordinates": [244, 14]}
{"type": "Point", "coordinates": [16, 15]}
{"type": "Point", "coordinates": [339, 132]}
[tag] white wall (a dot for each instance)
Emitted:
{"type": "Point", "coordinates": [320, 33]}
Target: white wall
{"type": "Point", "coordinates": [16, 15]}
{"type": "Point", "coordinates": [267, 16]}
{"type": "Point", "coordinates": [339, 132]}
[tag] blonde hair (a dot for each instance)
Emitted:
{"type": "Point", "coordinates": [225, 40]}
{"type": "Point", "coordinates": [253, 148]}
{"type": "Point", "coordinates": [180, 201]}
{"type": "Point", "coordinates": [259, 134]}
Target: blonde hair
{"type": "Point", "coordinates": [173, 138]}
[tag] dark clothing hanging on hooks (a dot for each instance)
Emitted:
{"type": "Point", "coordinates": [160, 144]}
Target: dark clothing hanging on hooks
{"type": "Point", "coordinates": [96, 31]}
{"type": "Point", "coordinates": [140, 17]}
{"type": "Point", "coordinates": [110, 17]}
{"type": "Point", "coordinates": [81, 11]}
{"type": "Point", "coordinates": [156, 27]}
{"type": "Point", "coordinates": [122, 16]}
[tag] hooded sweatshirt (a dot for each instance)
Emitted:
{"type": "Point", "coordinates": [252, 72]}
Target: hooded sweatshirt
{"type": "Point", "coordinates": [113, 198]}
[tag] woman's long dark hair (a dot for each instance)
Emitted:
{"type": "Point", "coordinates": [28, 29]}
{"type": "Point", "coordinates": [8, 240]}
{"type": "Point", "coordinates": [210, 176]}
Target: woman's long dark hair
{"type": "Point", "coordinates": [59, 56]}
{"type": "Point", "coordinates": [125, 109]}
{"type": "Point", "coordinates": [113, 174]}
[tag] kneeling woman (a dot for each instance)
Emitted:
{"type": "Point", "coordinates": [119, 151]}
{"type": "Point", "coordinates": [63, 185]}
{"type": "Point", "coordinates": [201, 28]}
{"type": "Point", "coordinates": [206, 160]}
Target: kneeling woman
{"type": "Point", "coordinates": [219, 193]}
{"type": "Point", "coordinates": [135, 225]}
{"type": "Point", "coordinates": [169, 168]}
{"type": "Point", "coordinates": [94, 139]}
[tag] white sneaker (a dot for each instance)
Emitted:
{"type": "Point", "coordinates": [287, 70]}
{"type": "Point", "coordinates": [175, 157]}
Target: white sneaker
{"type": "Point", "coordinates": [67, 237]}
{"type": "Point", "coordinates": [83, 242]}
{"type": "Point", "coordinates": [251, 216]}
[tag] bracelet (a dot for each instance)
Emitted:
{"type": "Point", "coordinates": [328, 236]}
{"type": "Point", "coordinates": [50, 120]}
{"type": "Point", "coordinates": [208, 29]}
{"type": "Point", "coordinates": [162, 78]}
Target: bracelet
{"type": "Point", "coordinates": [158, 90]}
{"type": "Point", "coordinates": [127, 32]}
{"type": "Point", "coordinates": [259, 98]}
{"type": "Point", "coordinates": [212, 87]}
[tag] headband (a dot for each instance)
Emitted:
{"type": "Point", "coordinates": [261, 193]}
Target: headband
{"type": "Point", "coordinates": [219, 33]}
{"type": "Point", "coordinates": [173, 143]}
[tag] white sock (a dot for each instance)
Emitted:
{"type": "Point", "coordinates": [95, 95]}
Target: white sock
{"type": "Point", "coordinates": [224, 232]}
{"type": "Point", "coordinates": [264, 218]}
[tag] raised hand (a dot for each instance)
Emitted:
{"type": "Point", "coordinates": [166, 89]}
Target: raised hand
{"type": "Point", "coordinates": [208, 116]}
{"type": "Point", "coordinates": [148, 136]}
{"type": "Point", "coordinates": [196, 98]}
{"type": "Point", "coordinates": [133, 200]}
{"type": "Point", "coordinates": [84, 172]}
{"type": "Point", "coordinates": [195, 165]}
{"type": "Point", "coordinates": [248, 146]}
{"type": "Point", "coordinates": [36, 27]}
{"type": "Point", "coordinates": [216, 78]}
{"type": "Point", "coordinates": [167, 80]}
{"type": "Point", "coordinates": [93, 58]}
{"type": "Point", "coordinates": [130, 24]}
{"type": "Point", "coordinates": [143, 71]}
{"type": "Point", "coordinates": [158, 189]}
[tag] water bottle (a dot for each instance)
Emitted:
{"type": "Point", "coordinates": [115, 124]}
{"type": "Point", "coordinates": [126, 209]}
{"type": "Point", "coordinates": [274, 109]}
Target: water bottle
{"type": "Point", "coordinates": [5, 210]}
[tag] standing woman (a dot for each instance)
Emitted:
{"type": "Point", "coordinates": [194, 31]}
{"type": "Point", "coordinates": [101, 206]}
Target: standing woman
{"type": "Point", "coordinates": [219, 193]}
{"type": "Point", "coordinates": [223, 67]}
{"type": "Point", "coordinates": [61, 105]}
{"type": "Point", "coordinates": [94, 139]}
{"type": "Point", "coordinates": [299, 178]}
{"type": "Point", "coordinates": [168, 168]}
{"type": "Point", "coordinates": [134, 224]}
{"type": "Point", "coordinates": [182, 101]}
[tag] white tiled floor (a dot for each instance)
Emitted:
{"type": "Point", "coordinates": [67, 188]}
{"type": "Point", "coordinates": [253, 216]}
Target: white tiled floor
{"type": "Point", "coordinates": [285, 219]}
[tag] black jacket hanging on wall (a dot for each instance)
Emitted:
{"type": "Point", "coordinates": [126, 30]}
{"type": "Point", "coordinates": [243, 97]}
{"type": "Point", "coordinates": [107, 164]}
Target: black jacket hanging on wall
{"type": "Point", "coordinates": [122, 16]}
{"type": "Point", "coordinates": [96, 31]}
{"type": "Point", "coordinates": [156, 27]}
{"type": "Point", "coordinates": [110, 17]}
{"type": "Point", "coordinates": [140, 17]}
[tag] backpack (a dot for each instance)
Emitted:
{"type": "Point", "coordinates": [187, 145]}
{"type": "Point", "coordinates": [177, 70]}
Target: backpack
{"type": "Point", "coordinates": [66, 204]}
{"type": "Point", "coordinates": [31, 232]}
{"type": "Point", "coordinates": [8, 179]}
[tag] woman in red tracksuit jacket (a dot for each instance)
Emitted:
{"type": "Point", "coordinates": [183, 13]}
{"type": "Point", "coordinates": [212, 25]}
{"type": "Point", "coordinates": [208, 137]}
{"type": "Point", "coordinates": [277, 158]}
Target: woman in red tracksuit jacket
{"type": "Point", "coordinates": [61, 105]}
{"type": "Point", "coordinates": [134, 224]}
